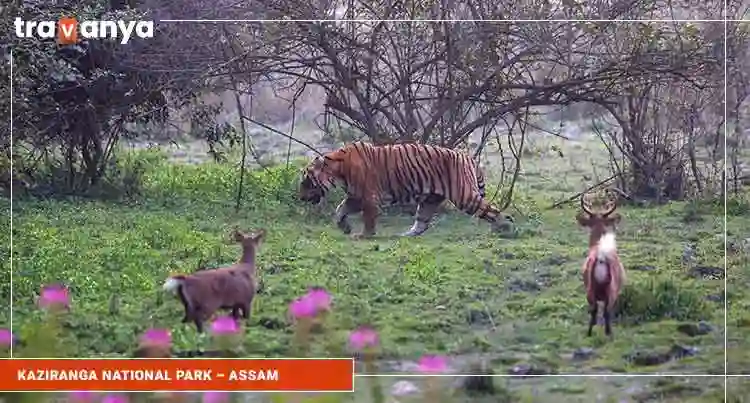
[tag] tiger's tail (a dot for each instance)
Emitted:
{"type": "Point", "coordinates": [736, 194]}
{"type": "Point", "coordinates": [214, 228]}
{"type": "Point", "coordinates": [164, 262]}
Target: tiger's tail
{"type": "Point", "coordinates": [473, 202]}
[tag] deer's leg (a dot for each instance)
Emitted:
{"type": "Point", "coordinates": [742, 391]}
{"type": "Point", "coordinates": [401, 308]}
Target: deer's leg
{"type": "Point", "coordinates": [198, 324]}
{"type": "Point", "coordinates": [186, 305]}
{"type": "Point", "coordinates": [607, 320]}
{"type": "Point", "coordinates": [246, 309]}
{"type": "Point", "coordinates": [187, 316]}
{"type": "Point", "coordinates": [594, 310]}
{"type": "Point", "coordinates": [426, 211]}
{"type": "Point", "coordinates": [200, 315]}
{"type": "Point", "coordinates": [347, 206]}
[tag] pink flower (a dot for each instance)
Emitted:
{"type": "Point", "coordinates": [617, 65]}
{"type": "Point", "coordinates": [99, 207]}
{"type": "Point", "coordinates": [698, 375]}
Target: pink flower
{"type": "Point", "coordinates": [362, 338]}
{"type": "Point", "coordinates": [215, 397]}
{"type": "Point", "coordinates": [6, 338]}
{"type": "Point", "coordinates": [320, 298]}
{"type": "Point", "coordinates": [224, 325]}
{"type": "Point", "coordinates": [81, 396]}
{"type": "Point", "coordinates": [303, 307]}
{"type": "Point", "coordinates": [309, 305]}
{"type": "Point", "coordinates": [53, 296]}
{"type": "Point", "coordinates": [115, 399]}
{"type": "Point", "coordinates": [158, 337]}
{"type": "Point", "coordinates": [433, 364]}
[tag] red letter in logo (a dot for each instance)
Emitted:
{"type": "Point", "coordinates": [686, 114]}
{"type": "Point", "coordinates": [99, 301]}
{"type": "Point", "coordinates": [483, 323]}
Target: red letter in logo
{"type": "Point", "coordinates": [67, 31]}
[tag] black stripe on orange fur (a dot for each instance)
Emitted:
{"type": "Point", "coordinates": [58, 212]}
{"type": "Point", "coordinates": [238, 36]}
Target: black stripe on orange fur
{"type": "Point", "coordinates": [402, 173]}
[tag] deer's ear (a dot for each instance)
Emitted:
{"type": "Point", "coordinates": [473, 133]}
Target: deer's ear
{"type": "Point", "coordinates": [237, 235]}
{"type": "Point", "coordinates": [259, 235]}
{"type": "Point", "coordinates": [583, 219]}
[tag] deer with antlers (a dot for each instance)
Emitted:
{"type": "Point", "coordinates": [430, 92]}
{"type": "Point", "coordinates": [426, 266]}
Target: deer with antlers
{"type": "Point", "coordinates": [603, 273]}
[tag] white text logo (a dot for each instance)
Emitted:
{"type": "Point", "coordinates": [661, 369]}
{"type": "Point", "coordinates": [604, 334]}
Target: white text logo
{"type": "Point", "coordinates": [67, 30]}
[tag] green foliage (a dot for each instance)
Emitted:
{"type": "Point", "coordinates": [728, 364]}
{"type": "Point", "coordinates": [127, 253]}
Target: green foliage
{"type": "Point", "coordinates": [738, 390]}
{"type": "Point", "coordinates": [662, 297]}
{"type": "Point", "coordinates": [696, 210]}
{"type": "Point", "coordinates": [738, 281]}
{"type": "Point", "coordinates": [738, 205]}
{"type": "Point", "coordinates": [218, 183]}
{"type": "Point", "coordinates": [73, 104]}
{"type": "Point", "coordinates": [56, 87]}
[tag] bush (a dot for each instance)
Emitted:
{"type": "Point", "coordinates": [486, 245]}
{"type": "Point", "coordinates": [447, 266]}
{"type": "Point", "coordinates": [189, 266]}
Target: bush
{"type": "Point", "coordinates": [738, 205]}
{"type": "Point", "coordinates": [660, 297]}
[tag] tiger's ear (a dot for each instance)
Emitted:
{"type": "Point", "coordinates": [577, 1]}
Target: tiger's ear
{"type": "Point", "coordinates": [337, 155]}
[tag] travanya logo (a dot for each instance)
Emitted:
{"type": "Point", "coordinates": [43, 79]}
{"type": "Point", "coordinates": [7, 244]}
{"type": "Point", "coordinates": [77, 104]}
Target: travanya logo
{"type": "Point", "coordinates": [66, 29]}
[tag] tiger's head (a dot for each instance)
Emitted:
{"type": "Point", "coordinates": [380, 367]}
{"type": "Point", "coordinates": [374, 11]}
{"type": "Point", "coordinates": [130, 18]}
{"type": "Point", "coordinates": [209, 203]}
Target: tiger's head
{"type": "Point", "coordinates": [320, 176]}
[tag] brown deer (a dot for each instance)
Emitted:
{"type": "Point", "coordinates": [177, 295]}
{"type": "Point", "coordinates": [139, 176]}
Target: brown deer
{"type": "Point", "coordinates": [603, 273]}
{"type": "Point", "coordinates": [232, 287]}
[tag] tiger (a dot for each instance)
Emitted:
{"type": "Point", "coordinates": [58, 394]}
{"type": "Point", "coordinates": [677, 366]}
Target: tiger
{"type": "Point", "coordinates": [399, 173]}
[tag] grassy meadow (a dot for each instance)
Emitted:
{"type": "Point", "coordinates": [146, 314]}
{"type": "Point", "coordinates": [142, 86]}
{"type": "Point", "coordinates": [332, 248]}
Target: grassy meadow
{"type": "Point", "coordinates": [738, 390]}
{"type": "Point", "coordinates": [738, 281]}
{"type": "Point", "coordinates": [514, 303]}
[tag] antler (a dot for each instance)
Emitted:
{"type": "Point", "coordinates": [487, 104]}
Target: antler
{"type": "Point", "coordinates": [608, 209]}
{"type": "Point", "coordinates": [584, 205]}
{"type": "Point", "coordinates": [611, 205]}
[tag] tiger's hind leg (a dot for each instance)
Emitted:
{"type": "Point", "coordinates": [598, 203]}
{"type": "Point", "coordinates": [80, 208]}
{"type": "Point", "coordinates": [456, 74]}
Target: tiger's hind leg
{"type": "Point", "coordinates": [426, 211]}
{"type": "Point", "coordinates": [346, 207]}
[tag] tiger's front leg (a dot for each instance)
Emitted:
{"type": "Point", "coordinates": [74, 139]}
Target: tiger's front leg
{"type": "Point", "coordinates": [370, 211]}
{"type": "Point", "coordinates": [347, 206]}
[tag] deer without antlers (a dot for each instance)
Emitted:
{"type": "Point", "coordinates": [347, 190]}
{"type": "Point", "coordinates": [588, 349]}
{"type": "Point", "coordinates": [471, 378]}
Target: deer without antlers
{"type": "Point", "coordinates": [231, 287]}
{"type": "Point", "coordinates": [603, 273]}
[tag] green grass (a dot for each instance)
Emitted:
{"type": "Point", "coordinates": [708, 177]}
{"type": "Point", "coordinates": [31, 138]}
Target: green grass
{"type": "Point", "coordinates": [458, 290]}
{"type": "Point", "coordinates": [738, 280]}
{"type": "Point", "coordinates": [738, 390]}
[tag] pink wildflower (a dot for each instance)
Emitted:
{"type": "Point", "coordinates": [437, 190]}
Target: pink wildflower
{"type": "Point", "coordinates": [320, 298]}
{"type": "Point", "coordinates": [158, 337]}
{"type": "Point", "coordinates": [303, 307]}
{"type": "Point", "coordinates": [215, 397]}
{"type": "Point", "coordinates": [53, 296]}
{"type": "Point", "coordinates": [224, 325]}
{"type": "Point", "coordinates": [6, 338]}
{"type": "Point", "coordinates": [115, 399]}
{"type": "Point", "coordinates": [81, 396]}
{"type": "Point", "coordinates": [433, 364]}
{"type": "Point", "coordinates": [362, 338]}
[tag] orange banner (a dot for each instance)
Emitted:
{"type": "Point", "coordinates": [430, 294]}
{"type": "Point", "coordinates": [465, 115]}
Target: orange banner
{"type": "Point", "coordinates": [135, 375]}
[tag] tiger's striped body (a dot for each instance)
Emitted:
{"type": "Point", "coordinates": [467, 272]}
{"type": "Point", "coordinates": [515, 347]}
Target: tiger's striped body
{"type": "Point", "coordinates": [399, 173]}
